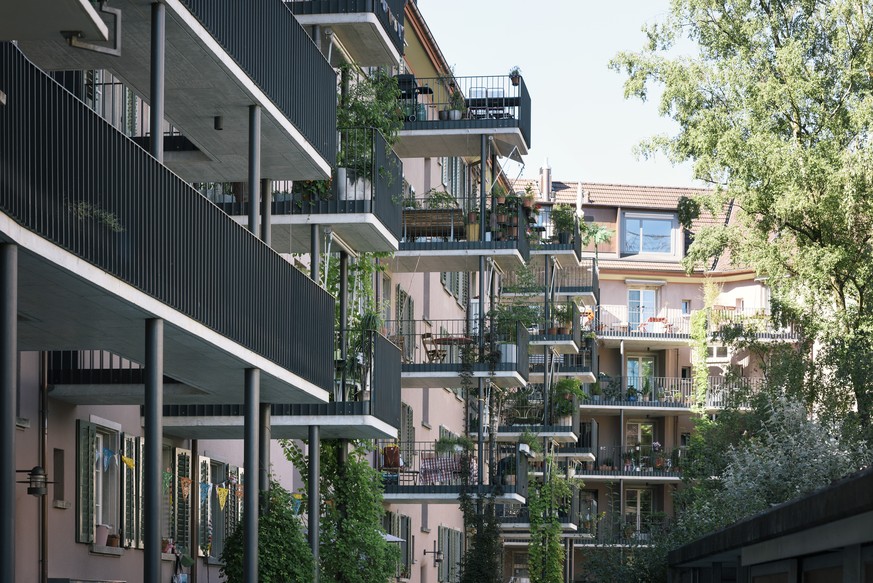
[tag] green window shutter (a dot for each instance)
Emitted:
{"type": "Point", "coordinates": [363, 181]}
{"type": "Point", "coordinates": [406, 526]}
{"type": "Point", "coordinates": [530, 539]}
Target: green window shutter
{"type": "Point", "coordinates": [86, 448]}
{"type": "Point", "coordinates": [140, 472]}
{"type": "Point", "coordinates": [129, 492]}
{"type": "Point", "coordinates": [204, 507]}
{"type": "Point", "coordinates": [455, 553]}
{"type": "Point", "coordinates": [442, 546]}
{"type": "Point", "coordinates": [233, 507]}
{"type": "Point", "coordinates": [406, 535]}
{"type": "Point", "coordinates": [407, 432]}
{"type": "Point", "coordinates": [182, 505]}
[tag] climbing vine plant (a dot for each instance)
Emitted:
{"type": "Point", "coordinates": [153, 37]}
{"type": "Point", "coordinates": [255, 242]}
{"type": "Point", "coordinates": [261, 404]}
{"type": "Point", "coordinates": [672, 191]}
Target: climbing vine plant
{"type": "Point", "coordinates": [545, 500]}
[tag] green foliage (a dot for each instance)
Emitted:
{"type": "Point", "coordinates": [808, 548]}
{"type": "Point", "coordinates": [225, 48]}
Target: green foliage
{"type": "Point", "coordinates": [440, 199]}
{"type": "Point", "coordinates": [483, 560]}
{"type": "Point", "coordinates": [565, 394]}
{"type": "Point", "coordinates": [524, 281]}
{"type": "Point", "coordinates": [546, 549]}
{"type": "Point", "coordinates": [775, 112]}
{"type": "Point", "coordinates": [283, 553]}
{"type": "Point", "coordinates": [452, 443]}
{"type": "Point", "coordinates": [370, 102]}
{"type": "Point", "coordinates": [352, 547]}
{"type": "Point", "coordinates": [564, 217]}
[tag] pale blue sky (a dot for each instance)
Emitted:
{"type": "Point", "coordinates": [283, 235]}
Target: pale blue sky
{"type": "Point", "coordinates": [580, 119]}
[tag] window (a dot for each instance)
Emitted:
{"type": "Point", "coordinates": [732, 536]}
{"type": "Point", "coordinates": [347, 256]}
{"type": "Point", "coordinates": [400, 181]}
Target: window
{"type": "Point", "coordinates": [648, 233]}
{"type": "Point", "coordinates": [686, 307]}
{"type": "Point", "coordinates": [456, 284]}
{"type": "Point", "coordinates": [58, 473]}
{"type": "Point", "coordinates": [717, 353]}
{"type": "Point", "coordinates": [400, 525]}
{"type": "Point", "coordinates": [451, 543]}
{"type": "Point", "coordinates": [98, 478]}
{"type": "Point", "coordinates": [642, 304]}
{"type": "Point", "coordinates": [637, 511]}
{"type": "Point", "coordinates": [217, 521]}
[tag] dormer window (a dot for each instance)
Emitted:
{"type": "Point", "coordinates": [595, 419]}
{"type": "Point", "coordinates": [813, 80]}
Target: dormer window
{"type": "Point", "coordinates": [649, 233]}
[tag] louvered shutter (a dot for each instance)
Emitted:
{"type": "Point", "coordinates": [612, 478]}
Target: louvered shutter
{"type": "Point", "coordinates": [455, 553]}
{"type": "Point", "coordinates": [406, 535]}
{"type": "Point", "coordinates": [86, 457]}
{"type": "Point", "coordinates": [233, 508]}
{"type": "Point", "coordinates": [443, 546]}
{"type": "Point", "coordinates": [140, 491]}
{"type": "Point", "coordinates": [407, 433]}
{"type": "Point", "coordinates": [204, 506]}
{"type": "Point", "coordinates": [182, 505]}
{"type": "Point", "coordinates": [129, 491]}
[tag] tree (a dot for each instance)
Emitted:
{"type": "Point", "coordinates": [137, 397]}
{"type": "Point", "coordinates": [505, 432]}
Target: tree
{"type": "Point", "coordinates": [283, 553]}
{"type": "Point", "coordinates": [775, 111]}
{"type": "Point", "coordinates": [546, 550]}
{"type": "Point", "coordinates": [352, 548]}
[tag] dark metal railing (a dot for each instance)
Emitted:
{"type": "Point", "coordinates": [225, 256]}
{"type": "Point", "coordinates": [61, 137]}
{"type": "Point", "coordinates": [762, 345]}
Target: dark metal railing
{"type": "Point", "coordinates": [571, 280]}
{"type": "Point", "coordinates": [385, 394]}
{"type": "Point", "coordinates": [619, 321]}
{"type": "Point", "coordinates": [566, 363]}
{"type": "Point", "coordinates": [94, 367]}
{"type": "Point", "coordinates": [389, 12]}
{"type": "Point", "coordinates": [465, 102]}
{"type": "Point", "coordinates": [368, 179]}
{"type": "Point", "coordinates": [75, 181]}
{"type": "Point", "coordinates": [265, 39]}
{"type": "Point", "coordinates": [639, 460]}
{"type": "Point", "coordinates": [756, 322]}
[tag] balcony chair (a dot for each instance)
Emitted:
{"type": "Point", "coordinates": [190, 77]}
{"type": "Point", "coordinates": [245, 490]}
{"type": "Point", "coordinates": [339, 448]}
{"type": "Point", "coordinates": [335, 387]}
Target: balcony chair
{"type": "Point", "coordinates": [409, 93]}
{"type": "Point", "coordinates": [431, 350]}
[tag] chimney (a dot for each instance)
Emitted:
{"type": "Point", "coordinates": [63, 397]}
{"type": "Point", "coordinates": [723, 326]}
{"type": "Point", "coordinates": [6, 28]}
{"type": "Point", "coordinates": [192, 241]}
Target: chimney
{"type": "Point", "coordinates": [546, 181]}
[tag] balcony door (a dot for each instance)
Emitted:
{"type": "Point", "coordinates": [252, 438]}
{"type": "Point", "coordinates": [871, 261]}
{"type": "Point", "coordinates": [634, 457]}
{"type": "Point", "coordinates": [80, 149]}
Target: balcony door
{"type": "Point", "coordinates": [641, 305]}
{"type": "Point", "coordinates": [639, 436]}
{"type": "Point", "coordinates": [640, 371]}
{"type": "Point", "coordinates": [637, 510]}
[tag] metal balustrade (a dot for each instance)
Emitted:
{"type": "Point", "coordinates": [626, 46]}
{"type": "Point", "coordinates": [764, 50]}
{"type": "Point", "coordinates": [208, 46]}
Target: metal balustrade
{"type": "Point", "coordinates": [617, 320]}
{"type": "Point", "coordinates": [265, 39]}
{"type": "Point", "coordinates": [638, 460]}
{"type": "Point", "coordinates": [566, 363]}
{"type": "Point", "coordinates": [390, 13]}
{"type": "Point", "coordinates": [465, 102]}
{"type": "Point", "coordinates": [573, 280]}
{"type": "Point", "coordinates": [757, 322]}
{"type": "Point", "coordinates": [368, 178]}
{"type": "Point", "coordinates": [75, 181]}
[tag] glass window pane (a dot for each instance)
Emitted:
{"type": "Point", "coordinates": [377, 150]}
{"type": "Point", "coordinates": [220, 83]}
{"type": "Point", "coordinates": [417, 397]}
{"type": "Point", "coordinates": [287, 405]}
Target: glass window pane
{"type": "Point", "coordinates": [657, 236]}
{"type": "Point", "coordinates": [632, 235]}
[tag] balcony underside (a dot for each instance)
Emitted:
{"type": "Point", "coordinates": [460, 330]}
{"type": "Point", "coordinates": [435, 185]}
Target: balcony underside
{"type": "Point", "coordinates": [458, 138]}
{"type": "Point", "coordinates": [564, 254]}
{"type": "Point", "coordinates": [584, 376]}
{"type": "Point", "coordinates": [440, 495]}
{"type": "Point", "coordinates": [651, 408]}
{"type": "Point", "coordinates": [46, 19]}
{"type": "Point", "coordinates": [629, 476]}
{"type": "Point", "coordinates": [641, 341]}
{"type": "Point", "coordinates": [425, 377]}
{"type": "Point", "coordinates": [66, 303]}
{"type": "Point", "coordinates": [519, 527]}
{"type": "Point", "coordinates": [558, 434]}
{"type": "Point", "coordinates": [282, 427]}
{"type": "Point", "coordinates": [577, 454]}
{"type": "Point", "coordinates": [361, 34]}
{"type": "Point", "coordinates": [558, 344]}
{"type": "Point", "coordinates": [363, 232]}
{"type": "Point", "coordinates": [202, 81]}
{"type": "Point", "coordinates": [411, 260]}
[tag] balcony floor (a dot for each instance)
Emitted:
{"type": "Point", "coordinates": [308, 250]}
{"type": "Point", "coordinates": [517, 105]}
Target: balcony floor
{"type": "Point", "coordinates": [202, 81]}
{"type": "Point", "coordinates": [66, 303]}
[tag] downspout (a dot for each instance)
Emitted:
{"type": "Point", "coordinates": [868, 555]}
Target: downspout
{"type": "Point", "coordinates": [43, 500]}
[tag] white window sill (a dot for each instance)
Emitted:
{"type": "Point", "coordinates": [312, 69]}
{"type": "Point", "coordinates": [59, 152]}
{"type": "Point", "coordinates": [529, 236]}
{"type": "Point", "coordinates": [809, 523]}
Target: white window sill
{"type": "Point", "coordinates": [107, 551]}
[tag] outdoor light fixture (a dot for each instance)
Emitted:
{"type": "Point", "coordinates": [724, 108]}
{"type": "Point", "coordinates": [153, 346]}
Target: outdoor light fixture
{"type": "Point", "coordinates": [438, 555]}
{"type": "Point", "coordinates": [218, 123]}
{"type": "Point", "coordinates": [37, 480]}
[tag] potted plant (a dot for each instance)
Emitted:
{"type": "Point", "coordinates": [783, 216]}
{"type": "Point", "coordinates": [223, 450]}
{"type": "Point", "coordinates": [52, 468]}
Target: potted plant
{"type": "Point", "coordinates": [499, 193]}
{"type": "Point", "coordinates": [453, 444]}
{"type": "Point", "coordinates": [596, 391]}
{"type": "Point", "coordinates": [564, 220]}
{"type": "Point", "coordinates": [564, 318]}
{"type": "Point", "coordinates": [440, 199]}
{"type": "Point", "coordinates": [564, 395]}
{"type": "Point", "coordinates": [632, 393]}
{"type": "Point", "coordinates": [647, 388]}
{"type": "Point", "coordinates": [457, 105]}
{"type": "Point", "coordinates": [515, 75]}
{"type": "Point", "coordinates": [529, 197]}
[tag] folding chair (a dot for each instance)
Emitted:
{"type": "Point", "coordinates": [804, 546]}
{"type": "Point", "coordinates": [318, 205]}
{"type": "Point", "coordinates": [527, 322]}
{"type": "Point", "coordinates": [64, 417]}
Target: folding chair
{"type": "Point", "coordinates": [433, 352]}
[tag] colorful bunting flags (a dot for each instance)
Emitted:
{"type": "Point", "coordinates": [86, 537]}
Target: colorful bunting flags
{"type": "Point", "coordinates": [185, 484]}
{"type": "Point", "coordinates": [222, 496]}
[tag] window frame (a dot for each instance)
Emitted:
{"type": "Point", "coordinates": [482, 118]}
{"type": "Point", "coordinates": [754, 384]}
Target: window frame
{"type": "Point", "coordinates": [675, 248]}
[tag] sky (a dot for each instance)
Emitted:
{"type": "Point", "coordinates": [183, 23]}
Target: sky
{"type": "Point", "coordinates": [581, 121]}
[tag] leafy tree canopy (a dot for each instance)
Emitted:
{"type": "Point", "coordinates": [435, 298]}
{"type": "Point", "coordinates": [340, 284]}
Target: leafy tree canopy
{"type": "Point", "coordinates": [775, 111]}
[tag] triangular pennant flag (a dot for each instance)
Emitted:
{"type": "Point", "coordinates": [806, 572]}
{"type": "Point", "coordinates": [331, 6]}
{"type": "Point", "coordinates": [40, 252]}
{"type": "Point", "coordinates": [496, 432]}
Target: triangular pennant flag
{"type": "Point", "coordinates": [128, 462]}
{"type": "Point", "coordinates": [296, 501]}
{"type": "Point", "coordinates": [185, 484]}
{"type": "Point", "coordinates": [222, 496]}
{"type": "Point", "coordinates": [107, 457]}
{"type": "Point", "coordinates": [239, 491]}
{"type": "Point", "coordinates": [204, 492]}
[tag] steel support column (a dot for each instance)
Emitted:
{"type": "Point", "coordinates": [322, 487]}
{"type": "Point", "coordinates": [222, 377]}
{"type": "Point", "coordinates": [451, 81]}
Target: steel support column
{"type": "Point", "coordinates": [250, 461]}
{"type": "Point", "coordinates": [254, 166]}
{"type": "Point", "coordinates": [267, 211]}
{"type": "Point", "coordinates": [344, 317]}
{"type": "Point", "coordinates": [266, 433]}
{"type": "Point", "coordinates": [8, 388]}
{"type": "Point", "coordinates": [154, 430]}
{"type": "Point", "coordinates": [314, 496]}
{"type": "Point", "coordinates": [156, 77]}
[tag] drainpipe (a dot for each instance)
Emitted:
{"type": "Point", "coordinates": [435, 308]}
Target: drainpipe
{"type": "Point", "coordinates": [43, 500]}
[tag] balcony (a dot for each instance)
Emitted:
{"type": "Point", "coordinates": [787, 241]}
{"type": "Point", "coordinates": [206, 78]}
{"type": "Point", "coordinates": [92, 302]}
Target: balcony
{"type": "Point", "coordinates": [524, 411]}
{"type": "Point", "coordinates": [370, 30]}
{"type": "Point", "coordinates": [667, 393]}
{"type": "Point", "coordinates": [750, 322]}
{"type": "Point", "coordinates": [447, 116]}
{"type": "Point", "coordinates": [438, 236]}
{"type": "Point", "coordinates": [665, 328]}
{"type": "Point", "coordinates": [516, 518]}
{"type": "Point", "coordinates": [222, 56]}
{"type": "Point", "coordinates": [434, 353]}
{"type": "Point", "coordinates": [365, 405]}
{"type": "Point", "coordinates": [360, 202]}
{"type": "Point", "coordinates": [428, 472]}
{"type": "Point", "coordinates": [116, 238]}
{"type": "Point", "coordinates": [648, 463]}
{"type": "Point", "coordinates": [578, 283]}
{"type": "Point", "coordinates": [562, 334]}
{"type": "Point", "coordinates": [579, 366]}
{"type": "Point", "coordinates": [566, 247]}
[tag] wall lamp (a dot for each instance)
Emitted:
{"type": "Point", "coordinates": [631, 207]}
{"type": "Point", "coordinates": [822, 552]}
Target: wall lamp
{"type": "Point", "coordinates": [437, 554]}
{"type": "Point", "coordinates": [36, 479]}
